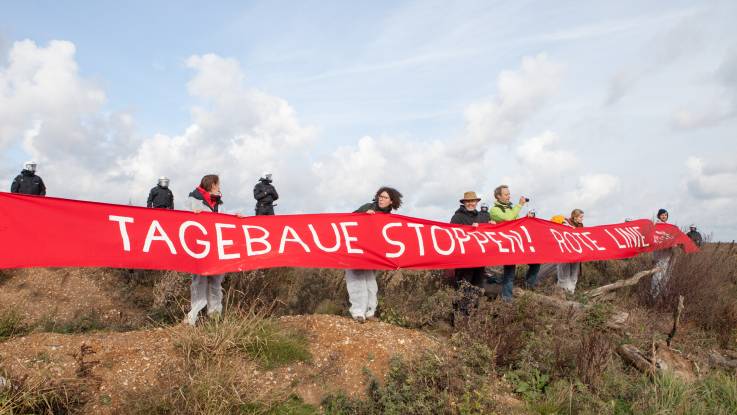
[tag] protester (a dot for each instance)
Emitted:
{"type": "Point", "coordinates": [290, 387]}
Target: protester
{"type": "Point", "coordinates": [504, 211]}
{"type": "Point", "coordinates": [161, 196]}
{"type": "Point", "coordinates": [695, 235]}
{"type": "Point", "coordinates": [265, 194]}
{"type": "Point", "coordinates": [568, 272]}
{"type": "Point", "coordinates": [361, 283]}
{"type": "Point", "coordinates": [661, 258]}
{"type": "Point", "coordinates": [468, 215]}
{"type": "Point", "coordinates": [484, 215]}
{"type": "Point", "coordinates": [27, 182]}
{"type": "Point", "coordinates": [206, 290]}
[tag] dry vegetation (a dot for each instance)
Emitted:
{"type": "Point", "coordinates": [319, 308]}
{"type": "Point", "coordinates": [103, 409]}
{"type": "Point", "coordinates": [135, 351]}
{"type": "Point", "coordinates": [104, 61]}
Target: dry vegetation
{"type": "Point", "coordinates": [524, 357]}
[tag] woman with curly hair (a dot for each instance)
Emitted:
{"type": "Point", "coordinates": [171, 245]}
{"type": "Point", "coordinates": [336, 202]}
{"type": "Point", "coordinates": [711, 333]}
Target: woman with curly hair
{"type": "Point", "coordinates": [361, 283]}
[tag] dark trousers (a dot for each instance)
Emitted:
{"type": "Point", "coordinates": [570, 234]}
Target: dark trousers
{"type": "Point", "coordinates": [474, 276]}
{"type": "Point", "coordinates": [508, 279]}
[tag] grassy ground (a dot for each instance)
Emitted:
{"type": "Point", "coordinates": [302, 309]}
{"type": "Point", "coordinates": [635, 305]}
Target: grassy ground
{"type": "Point", "coordinates": [554, 361]}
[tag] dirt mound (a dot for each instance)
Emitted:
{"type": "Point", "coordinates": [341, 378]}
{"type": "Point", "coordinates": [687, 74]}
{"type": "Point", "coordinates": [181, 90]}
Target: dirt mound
{"type": "Point", "coordinates": [62, 295]}
{"type": "Point", "coordinates": [117, 364]}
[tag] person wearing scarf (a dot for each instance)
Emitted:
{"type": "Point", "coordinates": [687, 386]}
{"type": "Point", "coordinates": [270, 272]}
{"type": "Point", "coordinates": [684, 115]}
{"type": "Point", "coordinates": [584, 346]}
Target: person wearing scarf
{"type": "Point", "coordinates": [205, 290]}
{"type": "Point", "coordinates": [568, 272]}
{"type": "Point", "coordinates": [504, 211]}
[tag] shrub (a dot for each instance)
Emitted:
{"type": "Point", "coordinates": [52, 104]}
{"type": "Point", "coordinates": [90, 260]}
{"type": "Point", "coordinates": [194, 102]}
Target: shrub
{"type": "Point", "coordinates": [11, 325]}
{"type": "Point", "coordinates": [244, 332]}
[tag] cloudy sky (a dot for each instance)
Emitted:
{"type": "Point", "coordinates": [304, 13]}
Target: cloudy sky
{"type": "Point", "coordinates": [618, 108]}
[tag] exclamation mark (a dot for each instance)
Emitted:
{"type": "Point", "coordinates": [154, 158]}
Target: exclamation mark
{"type": "Point", "coordinates": [529, 240]}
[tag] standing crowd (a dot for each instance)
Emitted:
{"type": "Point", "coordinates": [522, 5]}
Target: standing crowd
{"type": "Point", "coordinates": [206, 291]}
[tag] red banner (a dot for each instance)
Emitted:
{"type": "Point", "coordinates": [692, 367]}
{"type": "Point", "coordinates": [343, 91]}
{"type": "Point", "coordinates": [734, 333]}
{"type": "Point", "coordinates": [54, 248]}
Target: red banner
{"type": "Point", "coordinates": [51, 232]}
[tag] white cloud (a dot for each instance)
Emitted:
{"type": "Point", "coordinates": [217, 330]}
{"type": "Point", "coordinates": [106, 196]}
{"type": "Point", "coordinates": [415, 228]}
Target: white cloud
{"type": "Point", "coordinates": [721, 106]}
{"type": "Point", "coordinates": [520, 95]}
{"type": "Point", "coordinates": [709, 181]}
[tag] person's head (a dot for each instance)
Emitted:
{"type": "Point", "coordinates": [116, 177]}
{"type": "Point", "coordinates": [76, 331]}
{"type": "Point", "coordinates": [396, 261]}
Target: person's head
{"type": "Point", "coordinates": [30, 166]}
{"type": "Point", "coordinates": [470, 200]}
{"type": "Point", "coordinates": [663, 215]}
{"type": "Point", "coordinates": [164, 181]}
{"type": "Point", "coordinates": [501, 193]}
{"type": "Point", "coordinates": [388, 196]}
{"type": "Point", "coordinates": [266, 176]}
{"type": "Point", "coordinates": [211, 183]}
{"type": "Point", "coordinates": [577, 216]}
{"type": "Point", "coordinates": [692, 227]}
{"type": "Point", "coordinates": [484, 207]}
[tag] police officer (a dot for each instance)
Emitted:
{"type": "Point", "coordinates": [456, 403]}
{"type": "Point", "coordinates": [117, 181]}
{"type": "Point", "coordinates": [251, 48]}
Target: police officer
{"type": "Point", "coordinates": [695, 235]}
{"type": "Point", "coordinates": [27, 182]}
{"type": "Point", "coordinates": [161, 196]}
{"type": "Point", "coordinates": [265, 194]}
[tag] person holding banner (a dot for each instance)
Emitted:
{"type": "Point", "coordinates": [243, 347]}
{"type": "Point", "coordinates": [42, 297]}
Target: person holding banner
{"type": "Point", "coordinates": [568, 272]}
{"type": "Point", "coordinates": [504, 211]}
{"type": "Point", "coordinates": [468, 215]}
{"type": "Point", "coordinates": [361, 283]}
{"type": "Point", "coordinates": [662, 260]}
{"type": "Point", "coordinates": [206, 291]}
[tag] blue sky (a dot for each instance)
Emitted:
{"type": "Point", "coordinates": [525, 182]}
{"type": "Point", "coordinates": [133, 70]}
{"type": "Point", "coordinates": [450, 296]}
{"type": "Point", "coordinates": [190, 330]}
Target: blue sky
{"type": "Point", "coordinates": [617, 107]}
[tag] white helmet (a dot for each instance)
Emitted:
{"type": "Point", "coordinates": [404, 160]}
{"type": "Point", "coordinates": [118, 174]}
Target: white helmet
{"type": "Point", "coordinates": [164, 181]}
{"type": "Point", "coordinates": [29, 165]}
{"type": "Point", "coordinates": [266, 175]}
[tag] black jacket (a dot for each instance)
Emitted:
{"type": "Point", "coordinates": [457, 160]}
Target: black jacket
{"type": "Point", "coordinates": [695, 237]}
{"type": "Point", "coordinates": [197, 195]}
{"type": "Point", "coordinates": [465, 217]}
{"type": "Point", "coordinates": [484, 216]}
{"type": "Point", "coordinates": [265, 193]}
{"type": "Point", "coordinates": [160, 197]}
{"type": "Point", "coordinates": [28, 183]}
{"type": "Point", "coordinates": [373, 206]}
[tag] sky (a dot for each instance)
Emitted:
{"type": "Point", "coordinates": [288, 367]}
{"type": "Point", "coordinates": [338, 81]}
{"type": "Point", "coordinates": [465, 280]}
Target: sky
{"type": "Point", "coordinates": [617, 108]}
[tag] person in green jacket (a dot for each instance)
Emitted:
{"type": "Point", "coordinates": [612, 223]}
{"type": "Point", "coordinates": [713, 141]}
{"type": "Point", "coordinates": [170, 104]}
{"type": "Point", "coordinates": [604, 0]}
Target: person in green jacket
{"type": "Point", "coordinates": [504, 211]}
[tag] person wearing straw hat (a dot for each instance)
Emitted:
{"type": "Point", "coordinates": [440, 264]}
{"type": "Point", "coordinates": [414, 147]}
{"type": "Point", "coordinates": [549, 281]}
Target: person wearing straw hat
{"type": "Point", "coordinates": [468, 215]}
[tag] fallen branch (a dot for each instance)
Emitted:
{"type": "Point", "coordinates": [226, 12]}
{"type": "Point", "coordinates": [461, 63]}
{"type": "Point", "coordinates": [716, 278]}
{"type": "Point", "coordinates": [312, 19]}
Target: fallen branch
{"type": "Point", "coordinates": [716, 359]}
{"type": "Point", "coordinates": [598, 292]}
{"type": "Point", "coordinates": [616, 320]}
{"type": "Point", "coordinates": [664, 360]}
{"type": "Point", "coordinates": [634, 356]}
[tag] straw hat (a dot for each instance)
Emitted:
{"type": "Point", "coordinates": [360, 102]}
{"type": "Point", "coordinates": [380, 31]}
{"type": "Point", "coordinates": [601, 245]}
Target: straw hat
{"type": "Point", "coordinates": [469, 196]}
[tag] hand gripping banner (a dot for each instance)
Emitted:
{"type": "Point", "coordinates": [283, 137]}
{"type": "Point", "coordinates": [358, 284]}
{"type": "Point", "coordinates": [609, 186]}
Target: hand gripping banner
{"type": "Point", "coordinates": [51, 232]}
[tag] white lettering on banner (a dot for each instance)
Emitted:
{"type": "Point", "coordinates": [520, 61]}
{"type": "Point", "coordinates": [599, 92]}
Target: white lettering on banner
{"type": "Point", "coordinates": [222, 243]}
{"type": "Point", "coordinates": [293, 238]}
{"type": "Point", "coordinates": [320, 245]}
{"type": "Point", "coordinates": [162, 236]}
{"type": "Point", "coordinates": [572, 242]}
{"type": "Point", "coordinates": [182, 233]}
{"type": "Point", "coordinates": [477, 235]}
{"type": "Point", "coordinates": [461, 239]}
{"type": "Point", "coordinates": [420, 242]}
{"type": "Point", "coordinates": [629, 237]}
{"type": "Point", "coordinates": [122, 220]}
{"type": "Point", "coordinates": [593, 242]}
{"type": "Point", "coordinates": [515, 237]}
{"type": "Point", "coordinates": [575, 241]}
{"type": "Point", "coordinates": [529, 239]}
{"type": "Point", "coordinates": [496, 241]}
{"type": "Point", "coordinates": [250, 240]}
{"type": "Point", "coordinates": [398, 244]}
{"type": "Point", "coordinates": [447, 252]}
{"type": "Point", "coordinates": [349, 239]}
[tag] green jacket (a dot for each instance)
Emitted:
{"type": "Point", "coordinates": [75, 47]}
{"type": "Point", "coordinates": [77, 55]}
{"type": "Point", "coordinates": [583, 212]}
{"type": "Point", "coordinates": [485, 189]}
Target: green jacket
{"type": "Point", "coordinates": [504, 213]}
